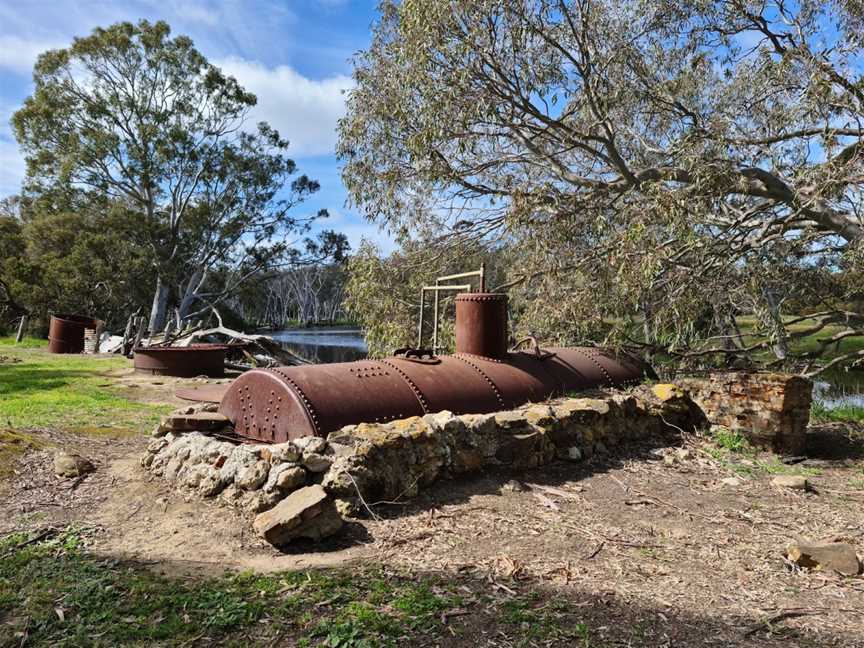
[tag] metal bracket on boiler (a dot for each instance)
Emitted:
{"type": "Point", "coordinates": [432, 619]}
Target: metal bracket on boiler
{"type": "Point", "coordinates": [437, 289]}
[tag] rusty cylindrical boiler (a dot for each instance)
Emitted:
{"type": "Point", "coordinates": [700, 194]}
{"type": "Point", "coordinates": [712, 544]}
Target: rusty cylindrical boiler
{"type": "Point", "coordinates": [66, 333]}
{"type": "Point", "coordinates": [275, 405]}
{"type": "Point", "coordinates": [182, 362]}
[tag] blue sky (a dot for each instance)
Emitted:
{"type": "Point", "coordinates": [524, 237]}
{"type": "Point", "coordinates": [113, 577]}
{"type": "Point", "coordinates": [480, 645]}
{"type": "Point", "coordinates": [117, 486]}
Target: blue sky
{"type": "Point", "coordinates": [294, 55]}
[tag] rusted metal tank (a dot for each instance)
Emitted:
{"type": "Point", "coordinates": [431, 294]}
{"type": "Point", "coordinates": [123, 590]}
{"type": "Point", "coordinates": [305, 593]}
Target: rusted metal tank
{"type": "Point", "coordinates": [183, 362]}
{"type": "Point", "coordinates": [481, 324]}
{"type": "Point", "coordinates": [276, 405]}
{"type": "Point", "coordinates": [66, 333]}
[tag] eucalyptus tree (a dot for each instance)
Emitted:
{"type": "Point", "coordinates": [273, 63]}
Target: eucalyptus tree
{"type": "Point", "coordinates": [657, 169]}
{"type": "Point", "coordinates": [131, 114]}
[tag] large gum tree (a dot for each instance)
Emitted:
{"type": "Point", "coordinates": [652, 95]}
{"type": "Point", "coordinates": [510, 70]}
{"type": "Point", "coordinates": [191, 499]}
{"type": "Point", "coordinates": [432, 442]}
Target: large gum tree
{"type": "Point", "coordinates": [131, 114]}
{"type": "Point", "coordinates": [667, 171]}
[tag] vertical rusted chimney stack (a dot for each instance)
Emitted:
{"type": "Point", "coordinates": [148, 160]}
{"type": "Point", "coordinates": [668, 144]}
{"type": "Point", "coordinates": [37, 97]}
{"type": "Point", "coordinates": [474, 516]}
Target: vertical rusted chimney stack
{"type": "Point", "coordinates": [481, 324]}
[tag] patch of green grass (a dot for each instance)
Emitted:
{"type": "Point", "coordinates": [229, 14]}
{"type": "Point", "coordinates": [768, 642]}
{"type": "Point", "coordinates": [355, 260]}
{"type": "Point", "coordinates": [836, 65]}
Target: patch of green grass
{"type": "Point", "coordinates": [68, 392]}
{"type": "Point", "coordinates": [541, 623]}
{"type": "Point", "coordinates": [819, 413]}
{"type": "Point", "coordinates": [26, 343]}
{"type": "Point", "coordinates": [54, 592]}
{"type": "Point", "coordinates": [733, 450]}
{"type": "Point", "coordinates": [774, 466]}
{"type": "Point", "coordinates": [731, 440]}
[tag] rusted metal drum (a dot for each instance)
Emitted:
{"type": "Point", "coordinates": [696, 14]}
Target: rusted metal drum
{"type": "Point", "coordinates": [66, 333]}
{"type": "Point", "coordinates": [183, 362]}
{"type": "Point", "coordinates": [481, 324]}
{"type": "Point", "coordinates": [287, 403]}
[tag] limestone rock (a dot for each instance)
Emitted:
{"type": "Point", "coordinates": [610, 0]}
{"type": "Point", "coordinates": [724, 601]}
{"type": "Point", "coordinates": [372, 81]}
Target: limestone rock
{"type": "Point", "coordinates": [731, 481]}
{"type": "Point", "coordinates": [71, 465]}
{"type": "Point", "coordinates": [513, 486]}
{"type": "Point", "coordinates": [306, 513]}
{"type": "Point", "coordinates": [210, 484]}
{"type": "Point", "coordinates": [795, 482]}
{"type": "Point", "coordinates": [252, 476]}
{"type": "Point", "coordinates": [259, 501]}
{"type": "Point", "coordinates": [310, 444]}
{"type": "Point", "coordinates": [240, 458]}
{"type": "Point", "coordinates": [281, 453]}
{"type": "Point", "coordinates": [291, 479]}
{"type": "Point", "coordinates": [156, 445]}
{"type": "Point", "coordinates": [348, 507]}
{"type": "Point", "coordinates": [285, 477]}
{"type": "Point", "coordinates": [316, 463]}
{"type": "Point", "coordinates": [828, 556]}
{"type": "Point", "coordinates": [573, 453]}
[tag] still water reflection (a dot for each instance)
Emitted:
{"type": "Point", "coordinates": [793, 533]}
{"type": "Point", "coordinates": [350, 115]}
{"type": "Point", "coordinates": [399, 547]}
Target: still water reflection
{"type": "Point", "coordinates": [324, 344]}
{"type": "Point", "coordinates": [840, 388]}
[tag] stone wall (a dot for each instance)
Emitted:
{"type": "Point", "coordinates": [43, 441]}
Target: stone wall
{"type": "Point", "coordinates": [368, 463]}
{"type": "Point", "coordinates": [772, 410]}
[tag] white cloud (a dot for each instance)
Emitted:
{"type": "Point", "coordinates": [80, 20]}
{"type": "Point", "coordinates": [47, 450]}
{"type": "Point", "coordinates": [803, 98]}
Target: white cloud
{"type": "Point", "coordinates": [196, 13]}
{"type": "Point", "coordinates": [11, 168]}
{"type": "Point", "coordinates": [19, 54]}
{"type": "Point", "coordinates": [304, 111]}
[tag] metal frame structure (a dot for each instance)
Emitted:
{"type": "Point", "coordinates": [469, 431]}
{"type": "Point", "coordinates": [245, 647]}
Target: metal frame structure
{"type": "Point", "coordinates": [437, 289]}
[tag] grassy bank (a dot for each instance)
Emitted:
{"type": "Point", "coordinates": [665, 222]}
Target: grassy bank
{"type": "Point", "coordinates": [68, 392]}
{"type": "Point", "coordinates": [819, 413]}
{"type": "Point", "coordinates": [54, 593]}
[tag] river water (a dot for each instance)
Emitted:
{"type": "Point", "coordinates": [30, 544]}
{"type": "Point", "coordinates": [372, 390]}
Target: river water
{"type": "Point", "coordinates": [321, 345]}
{"type": "Point", "coordinates": [346, 345]}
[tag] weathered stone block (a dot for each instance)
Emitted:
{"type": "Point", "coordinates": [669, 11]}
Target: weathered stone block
{"type": "Point", "coordinates": [252, 476]}
{"type": "Point", "coordinates": [828, 556]}
{"type": "Point", "coordinates": [306, 513]}
{"type": "Point", "coordinates": [71, 465]}
{"type": "Point", "coordinates": [772, 410]}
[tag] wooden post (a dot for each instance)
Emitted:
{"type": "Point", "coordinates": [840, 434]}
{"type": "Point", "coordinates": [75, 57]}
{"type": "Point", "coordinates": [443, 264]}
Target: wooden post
{"type": "Point", "coordinates": [127, 335]}
{"type": "Point", "coordinates": [140, 322]}
{"type": "Point", "coordinates": [21, 327]}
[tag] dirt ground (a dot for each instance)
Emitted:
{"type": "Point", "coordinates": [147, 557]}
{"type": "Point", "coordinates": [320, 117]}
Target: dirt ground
{"type": "Point", "coordinates": [665, 547]}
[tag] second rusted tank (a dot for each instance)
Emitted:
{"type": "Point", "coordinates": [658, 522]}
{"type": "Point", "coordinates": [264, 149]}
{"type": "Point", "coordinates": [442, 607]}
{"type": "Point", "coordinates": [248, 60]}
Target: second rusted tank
{"type": "Point", "coordinates": [276, 405]}
{"type": "Point", "coordinates": [66, 333]}
{"type": "Point", "coordinates": [183, 362]}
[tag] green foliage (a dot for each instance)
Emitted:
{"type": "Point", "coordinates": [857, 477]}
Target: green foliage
{"type": "Point", "coordinates": [633, 161]}
{"type": "Point", "coordinates": [68, 597]}
{"type": "Point", "coordinates": [383, 294]}
{"type": "Point", "coordinates": [733, 441]}
{"type": "Point", "coordinates": [131, 118]}
{"type": "Point", "coordinates": [820, 413]}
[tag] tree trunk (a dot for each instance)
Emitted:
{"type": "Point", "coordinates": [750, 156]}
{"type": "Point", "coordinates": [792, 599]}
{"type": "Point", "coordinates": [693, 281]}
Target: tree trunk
{"type": "Point", "coordinates": [22, 326]}
{"type": "Point", "coordinates": [781, 342]}
{"type": "Point", "coordinates": [191, 293]}
{"type": "Point", "coordinates": [160, 306]}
